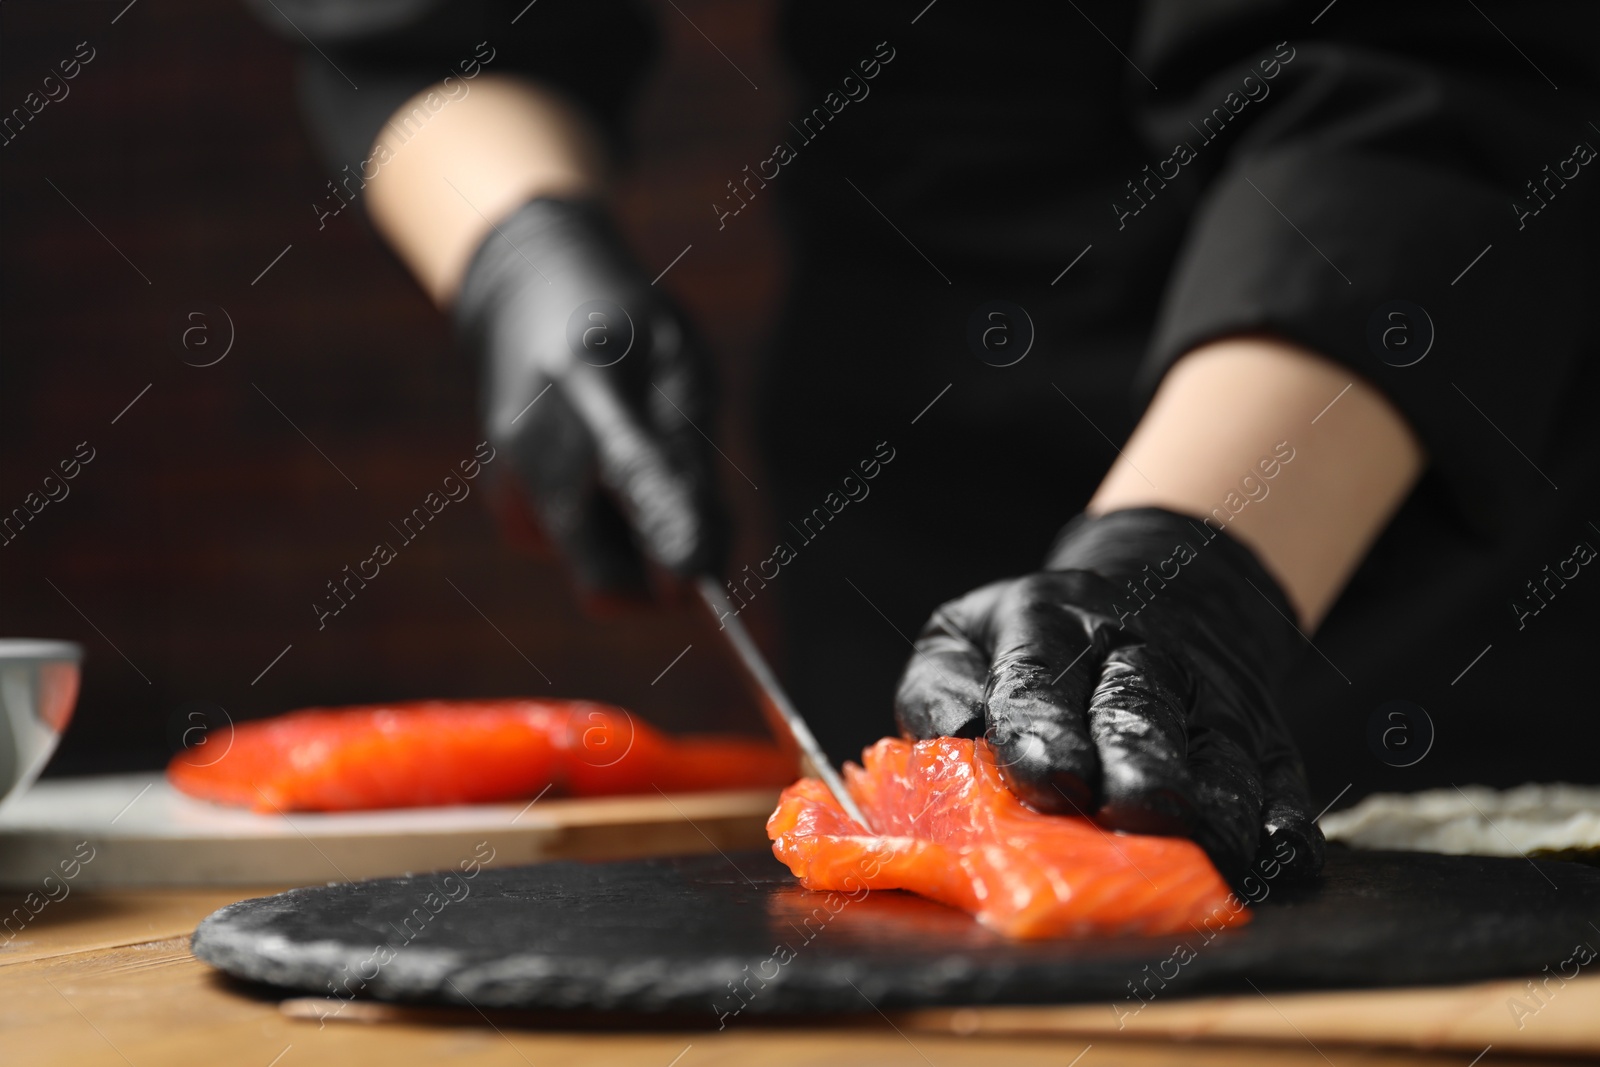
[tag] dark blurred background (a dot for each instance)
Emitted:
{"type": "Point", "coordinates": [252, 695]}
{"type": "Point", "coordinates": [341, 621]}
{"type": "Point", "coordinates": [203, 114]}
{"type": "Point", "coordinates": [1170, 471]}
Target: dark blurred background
{"type": "Point", "coordinates": [188, 552]}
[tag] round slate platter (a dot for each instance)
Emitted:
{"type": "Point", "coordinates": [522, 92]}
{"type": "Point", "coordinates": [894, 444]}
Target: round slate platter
{"type": "Point", "coordinates": [725, 935]}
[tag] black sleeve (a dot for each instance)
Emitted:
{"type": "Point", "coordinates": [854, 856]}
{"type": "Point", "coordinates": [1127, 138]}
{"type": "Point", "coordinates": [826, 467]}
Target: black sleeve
{"type": "Point", "coordinates": [361, 59]}
{"type": "Point", "coordinates": [1389, 158]}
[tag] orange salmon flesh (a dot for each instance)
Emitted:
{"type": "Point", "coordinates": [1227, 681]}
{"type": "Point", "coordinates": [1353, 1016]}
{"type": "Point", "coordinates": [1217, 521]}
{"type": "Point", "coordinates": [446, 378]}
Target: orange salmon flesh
{"type": "Point", "coordinates": [949, 829]}
{"type": "Point", "coordinates": [436, 752]}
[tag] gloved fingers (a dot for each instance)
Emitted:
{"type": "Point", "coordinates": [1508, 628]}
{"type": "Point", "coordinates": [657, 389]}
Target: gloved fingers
{"type": "Point", "coordinates": [941, 689]}
{"type": "Point", "coordinates": [554, 459]}
{"type": "Point", "coordinates": [1138, 718]}
{"type": "Point", "coordinates": [658, 497]}
{"type": "Point", "coordinates": [606, 565]}
{"type": "Point", "coordinates": [1228, 795]}
{"type": "Point", "coordinates": [563, 315]}
{"type": "Point", "coordinates": [681, 405]}
{"type": "Point", "coordinates": [1292, 844]}
{"type": "Point", "coordinates": [1041, 672]}
{"type": "Point", "coordinates": [682, 371]}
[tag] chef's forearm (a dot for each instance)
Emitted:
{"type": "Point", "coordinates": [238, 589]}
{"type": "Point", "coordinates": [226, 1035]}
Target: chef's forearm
{"type": "Point", "coordinates": [438, 193]}
{"type": "Point", "coordinates": [1298, 458]}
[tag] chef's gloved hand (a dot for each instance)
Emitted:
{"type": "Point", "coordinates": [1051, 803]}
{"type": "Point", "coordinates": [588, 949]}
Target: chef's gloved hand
{"type": "Point", "coordinates": [597, 390]}
{"type": "Point", "coordinates": [1132, 681]}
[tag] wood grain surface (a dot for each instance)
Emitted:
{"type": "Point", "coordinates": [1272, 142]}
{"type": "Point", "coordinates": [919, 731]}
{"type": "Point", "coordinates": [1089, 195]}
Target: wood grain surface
{"type": "Point", "coordinates": [1564, 1018]}
{"type": "Point", "coordinates": [106, 977]}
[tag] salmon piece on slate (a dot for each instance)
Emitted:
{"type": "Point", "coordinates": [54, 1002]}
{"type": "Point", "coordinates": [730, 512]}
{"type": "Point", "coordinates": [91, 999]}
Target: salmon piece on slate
{"type": "Point", "coordinates": [949, 829]}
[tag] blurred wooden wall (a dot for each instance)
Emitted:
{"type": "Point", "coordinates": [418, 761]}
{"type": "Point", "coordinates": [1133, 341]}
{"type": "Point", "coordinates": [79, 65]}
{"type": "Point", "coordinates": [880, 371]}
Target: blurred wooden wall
{"type": "Point", "coordinates": [193, 544]}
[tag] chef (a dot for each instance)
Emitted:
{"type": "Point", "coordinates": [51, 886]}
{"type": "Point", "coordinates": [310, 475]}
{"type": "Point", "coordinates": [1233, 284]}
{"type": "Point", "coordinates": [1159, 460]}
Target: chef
{"type": "Point", "coordinates": [1215, 380]}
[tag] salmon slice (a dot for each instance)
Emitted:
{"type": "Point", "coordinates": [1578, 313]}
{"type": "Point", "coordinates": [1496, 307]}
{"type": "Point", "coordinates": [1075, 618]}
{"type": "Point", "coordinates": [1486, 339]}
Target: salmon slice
{"type": "Point", "coordinates": [949, 829]}
{"type": "Point", "coordinates": [434, 752]}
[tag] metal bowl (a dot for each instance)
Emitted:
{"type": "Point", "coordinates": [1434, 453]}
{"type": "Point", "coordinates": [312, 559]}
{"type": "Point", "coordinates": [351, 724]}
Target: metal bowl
{"type": "Point", "coordinates": [38, 688]}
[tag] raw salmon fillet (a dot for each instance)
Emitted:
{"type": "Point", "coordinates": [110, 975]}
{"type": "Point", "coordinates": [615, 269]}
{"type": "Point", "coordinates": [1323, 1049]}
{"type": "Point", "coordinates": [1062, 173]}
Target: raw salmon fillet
{"type": "Point", "coordinates": [460, 752]}
{"type": "Point", "coordinates": [949, 829]}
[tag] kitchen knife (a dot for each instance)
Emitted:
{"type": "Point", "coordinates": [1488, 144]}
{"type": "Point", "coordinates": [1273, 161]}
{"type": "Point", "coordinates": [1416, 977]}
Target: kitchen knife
{"type": "Point", "coordinates": [781, 715]}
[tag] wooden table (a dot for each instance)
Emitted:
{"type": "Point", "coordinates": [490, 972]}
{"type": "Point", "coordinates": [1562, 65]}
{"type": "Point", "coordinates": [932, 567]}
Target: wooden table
{"type": "Point", "coordinates": [106, 977]}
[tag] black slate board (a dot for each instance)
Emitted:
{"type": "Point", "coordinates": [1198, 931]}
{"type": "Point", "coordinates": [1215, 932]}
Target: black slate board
{"type": "Point", "coordinates": [722, 936]}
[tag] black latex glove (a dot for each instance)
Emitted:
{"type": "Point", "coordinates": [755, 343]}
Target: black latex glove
{"type": "Point", "coordinates": [1151, 711]}
{"type": "Point", "coordinates": [612, 456]}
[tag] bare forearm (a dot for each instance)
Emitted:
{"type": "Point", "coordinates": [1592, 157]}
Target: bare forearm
{"type": "Point", "coordinates": [440, 190]}
{"type": "Point", "coordinates": [1226, 407]}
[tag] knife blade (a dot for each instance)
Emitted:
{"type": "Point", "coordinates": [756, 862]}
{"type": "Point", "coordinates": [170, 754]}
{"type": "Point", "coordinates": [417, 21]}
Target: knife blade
{"type": "Point", "coordinates": [782, 716]}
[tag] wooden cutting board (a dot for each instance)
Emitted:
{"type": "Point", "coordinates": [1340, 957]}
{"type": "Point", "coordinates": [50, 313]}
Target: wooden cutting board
{"type": "Point", "coordinates": [135, 830]}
